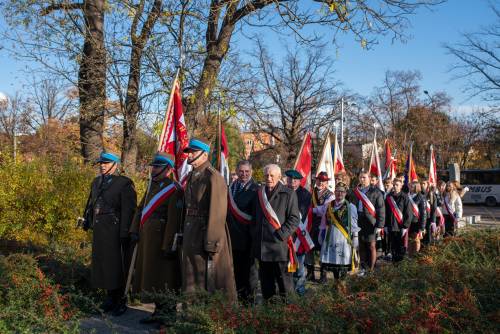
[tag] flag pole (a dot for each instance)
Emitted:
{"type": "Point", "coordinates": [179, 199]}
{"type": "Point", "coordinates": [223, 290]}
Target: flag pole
{"type": "Point", "coordinates": [134, 253]}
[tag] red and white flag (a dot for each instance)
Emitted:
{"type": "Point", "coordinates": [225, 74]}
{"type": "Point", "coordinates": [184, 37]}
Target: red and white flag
{"type": "Point", "coordinates": [304, 160]}
{"type": "Point", "coordinates": [326, 164]}
{"type": "Point", "coordinates": [174, 135]}
{"type": "Point", "coordinates": [375, 164]}
{"type": "Point", "coordinates": [390, 162]}
{"type": "Point", "coordinates": [338, 165]}
{"type": "Point", "coordinates": [432, 169]}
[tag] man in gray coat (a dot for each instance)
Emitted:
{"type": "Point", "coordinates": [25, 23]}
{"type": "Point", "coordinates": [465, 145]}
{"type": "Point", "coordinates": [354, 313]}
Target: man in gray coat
{"type": "Point", "coordinates": [276, 219]}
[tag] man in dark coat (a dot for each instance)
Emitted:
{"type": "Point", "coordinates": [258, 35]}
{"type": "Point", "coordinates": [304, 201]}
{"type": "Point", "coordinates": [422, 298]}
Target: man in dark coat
{"type": "Point", "coordinates": [155, 224]}
{"type": "Point", "coordinates": [240, 217]}
{"type": "Point", "coordinates": [398, 219]}
{"type": "Point", "coordinates": [431, 205]}
{"type": "Point", "coordinates": [207, 263]}
{"type": "Point", "coordinates": [112, 204]}
{"type": "Point", "coordinates": [369, 202]}
{"type": "Point", "coordinates": [276, 219]}
{"type": "Point", "coordinates": [321, 195]}
{"type": "Point", "coordinates": [293, 179]}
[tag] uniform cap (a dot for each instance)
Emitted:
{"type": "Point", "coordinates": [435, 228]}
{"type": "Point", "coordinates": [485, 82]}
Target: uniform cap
{"type": "Point", "coordinates": [162, 159]}
{"type": "Point", "coordinates": [196, 144]}
{"type": "Point", "coordinates": [341, 186]}
{"type": "Point", "coordinates": [293, 174]}
{"type": "Point", "coordinates": [105, 157]}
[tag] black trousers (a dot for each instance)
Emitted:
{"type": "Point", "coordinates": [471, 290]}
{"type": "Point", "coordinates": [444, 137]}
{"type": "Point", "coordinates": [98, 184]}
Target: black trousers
{"type": "Point", "coordinates": [274, 274]}
{"type": "Point", "coordinates": [245, 275]}
{"type": "Point", "coordinates": [449, 226]}
{"type": "Point", "coordinates": [397, 246]}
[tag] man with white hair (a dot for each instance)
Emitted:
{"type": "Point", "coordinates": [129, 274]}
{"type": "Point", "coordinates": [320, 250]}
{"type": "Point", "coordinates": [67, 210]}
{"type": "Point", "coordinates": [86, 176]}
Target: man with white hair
{"type": "Point", "coordinates": [276, 219]}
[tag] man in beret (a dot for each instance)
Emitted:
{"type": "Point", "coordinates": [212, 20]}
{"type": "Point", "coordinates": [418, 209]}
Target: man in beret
{"type": "Point", "coordinates": [112, 204]}
{"type": "Point", "coordinates": [207, 262]}
{"type": "Point", "coordinates": [154, 228]}
{"type": "Point", "coordinates": [293, 180]}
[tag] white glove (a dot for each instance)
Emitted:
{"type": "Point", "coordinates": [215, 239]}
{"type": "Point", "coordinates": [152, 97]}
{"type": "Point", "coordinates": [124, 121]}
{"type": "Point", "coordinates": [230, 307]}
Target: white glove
{"type": "Point", "coordinates": [355, 242]}
{"type": "Point", "coordinates": [377, 231]}
{"type": "Point", "coordinates": [404, 231]}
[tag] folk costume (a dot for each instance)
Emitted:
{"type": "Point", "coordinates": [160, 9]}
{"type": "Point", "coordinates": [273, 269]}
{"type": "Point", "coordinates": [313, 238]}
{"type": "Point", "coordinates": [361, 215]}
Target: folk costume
{"type": "Point", "coordinates": [319, 198]}
{"type": "Point", "coordinates": [112, 203]}
{"type": "Point", "coordinates": [242, 199]}
{"type": "Point", "coordinates": [339, 237]}
{"type": "Point", "coordinates": [398, 219]}
{"type": "Point", "coordinates": [207, 263]}
{"type": "Point", "coordinates": [276, 219]}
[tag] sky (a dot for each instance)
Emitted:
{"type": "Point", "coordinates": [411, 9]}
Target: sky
{"type": "Point", "coordinates": [361, 70]}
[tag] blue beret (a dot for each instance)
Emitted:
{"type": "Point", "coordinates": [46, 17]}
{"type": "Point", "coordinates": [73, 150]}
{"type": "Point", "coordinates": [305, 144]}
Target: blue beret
{"type": "Point", "coordinates": [108, 157]}
{"type": "Point", "coordinates": [294, 174]}
{"type": "Point", "coordinates": [162, 159]}
{"type": "Point", "coordinates": [196, 144]}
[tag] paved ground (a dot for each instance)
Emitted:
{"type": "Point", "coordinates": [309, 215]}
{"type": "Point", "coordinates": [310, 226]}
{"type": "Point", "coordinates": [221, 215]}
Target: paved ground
{"type": "Point", "coordinates": [129, 322]}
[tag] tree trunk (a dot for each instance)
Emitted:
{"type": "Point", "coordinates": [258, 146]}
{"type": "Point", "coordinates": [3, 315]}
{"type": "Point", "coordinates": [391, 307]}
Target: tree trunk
{"type": "Point", "coordinates": [132, 103]}
{"type": "Point", "coordinates": [92, 81]}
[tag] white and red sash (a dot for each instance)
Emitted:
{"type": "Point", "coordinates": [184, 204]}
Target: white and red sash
{"type": "Point", "coordinates": [156, 201]}
{"type": "Point", "coordinates": [239, 215]}
{"type": "Point", "coordinates": [428, 207]}
{"type": "Point", "coordinates": [440, 215]}
{"type": "Point", "coordinates": [366, 202]}
{"type": "Point", "coordinates": [272, 218]}
{"type": "Point", "coordinates": [414, 208]}
{"type": "Point", "coordinates": [448, 209]}
{"type": "Point", "coordinates": [395, 210]}
{"type": "Point", "coordinates": [304, 242]}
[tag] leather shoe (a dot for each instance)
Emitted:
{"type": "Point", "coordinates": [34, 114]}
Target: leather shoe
{"type": "Point", "coordinates": [108, 305]}
{"type": "Point", "coordinates": [119, 309]}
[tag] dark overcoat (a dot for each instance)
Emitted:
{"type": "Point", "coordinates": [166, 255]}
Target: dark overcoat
{"type": "Point", "coordinates": [418, 224]}
{"type": "Point", "coordinates": [157, 266]}
{"type": "Point", "coordinates": [207, 262]}
{"type": "Point", "coordinates": [114, 203]}
{"type": "Point", "coordinates": [270, 244]}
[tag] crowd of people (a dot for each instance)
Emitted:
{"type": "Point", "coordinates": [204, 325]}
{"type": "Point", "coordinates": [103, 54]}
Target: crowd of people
{"type": "Point", "coordinates": [207, 236]}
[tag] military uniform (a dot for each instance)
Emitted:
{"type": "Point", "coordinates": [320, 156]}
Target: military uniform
{"type": "Point", "coordinates": [245, 271]}
{"type": "Point", "coordinates": [157, 266]}
{"type": "Point", "coordinates": [206, 250]}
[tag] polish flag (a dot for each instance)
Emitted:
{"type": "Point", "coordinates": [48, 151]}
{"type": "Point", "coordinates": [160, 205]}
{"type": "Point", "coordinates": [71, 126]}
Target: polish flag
{"type": "Point", "coordinates": [390, 162]}
{"type": "Point", "coordinates": [432, 169]}
{"type": "Point", "coordinates": [337, 158]}
{"type": "Point", "coordinates": [304, 160]}
{"type": "Point", "coordinates": [326, 163]}
{"type": "Point", "coordinates": [174, 136]}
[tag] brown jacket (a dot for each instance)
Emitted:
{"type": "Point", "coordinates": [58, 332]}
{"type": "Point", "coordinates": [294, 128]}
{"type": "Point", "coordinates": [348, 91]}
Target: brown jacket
{"type": "Point", "coordinates": [157, 267]}
{"type": "Point", "coordinates": [114, 207]}
{"type": "Point", "coordinates": [206, 252]}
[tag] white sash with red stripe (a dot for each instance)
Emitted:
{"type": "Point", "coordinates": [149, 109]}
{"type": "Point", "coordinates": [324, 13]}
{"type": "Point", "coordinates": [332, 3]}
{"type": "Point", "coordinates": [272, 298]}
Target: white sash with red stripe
{"type": "Point", "coordinates": [272, 218]}
{"type": "Point", "coordinates": [366, 202]}
{"type": "Point", "coordinates": [395, 210]}
{"type": "Point", "coordinates": [428, 207]}
{"type": "Point", "coordinates": [303, 237]}
{"type": "Point", "coordinates": [158, 199]}
{"type": "Point", "coordinates": [239, 215]}
{"type": "Point", "coordinates": [414, 208]}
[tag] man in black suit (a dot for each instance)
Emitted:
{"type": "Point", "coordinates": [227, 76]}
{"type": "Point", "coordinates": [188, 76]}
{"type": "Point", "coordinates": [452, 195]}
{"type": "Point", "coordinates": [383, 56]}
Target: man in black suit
{"type": "Point", "coordinates": [240, 216]}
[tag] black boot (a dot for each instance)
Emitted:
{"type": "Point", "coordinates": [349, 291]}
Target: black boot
{"type": "Point", "coordinates": [107, 305]}
{"type": "Point", "coordinates": [322, 275]}
{"type": "Point", "coordinates": [120, 308]}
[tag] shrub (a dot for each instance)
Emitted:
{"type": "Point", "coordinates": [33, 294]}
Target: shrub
{"type": "Point", "coordinates": [29, 301]}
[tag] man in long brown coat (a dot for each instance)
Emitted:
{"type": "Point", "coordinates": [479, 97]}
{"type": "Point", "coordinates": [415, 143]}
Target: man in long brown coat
{"type": "Point", "coordinates": [112, 205]}
{"type": "Point", "coordinates": [206, 249]}
{"type": "Point", "coordinates": [155, 224]}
